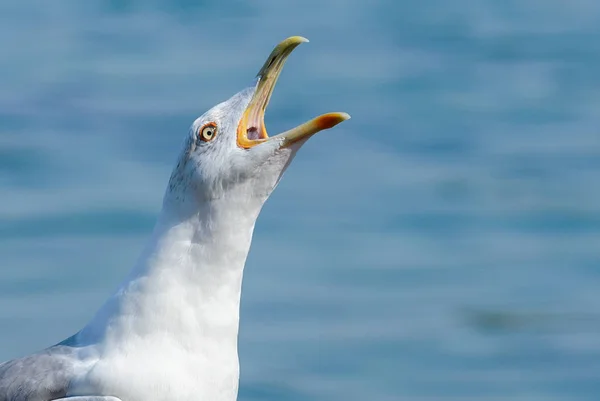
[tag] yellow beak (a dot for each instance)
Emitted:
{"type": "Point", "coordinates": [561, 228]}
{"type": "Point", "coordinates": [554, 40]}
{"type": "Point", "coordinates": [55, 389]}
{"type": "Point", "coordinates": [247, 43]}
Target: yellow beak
{"type": "Point", "coordinates": [251, 129]}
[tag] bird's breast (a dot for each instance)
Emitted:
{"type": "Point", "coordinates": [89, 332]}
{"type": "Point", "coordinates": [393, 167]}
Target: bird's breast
{"type": "Point", "coordinates": [164, 371]}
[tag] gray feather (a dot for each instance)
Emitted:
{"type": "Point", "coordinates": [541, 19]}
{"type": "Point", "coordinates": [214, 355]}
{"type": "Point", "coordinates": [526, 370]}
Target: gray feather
{"type": "Point", "coordinates": [43, 376]}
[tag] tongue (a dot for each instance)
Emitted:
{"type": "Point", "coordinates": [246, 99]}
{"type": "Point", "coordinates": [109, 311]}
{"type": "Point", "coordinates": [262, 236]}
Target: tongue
{"type": "Point", "coordinates": [252, 133]}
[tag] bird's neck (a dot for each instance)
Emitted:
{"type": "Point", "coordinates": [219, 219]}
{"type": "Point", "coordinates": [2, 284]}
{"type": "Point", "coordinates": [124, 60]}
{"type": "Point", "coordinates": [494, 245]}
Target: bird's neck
{"type": "Point", "coordinates": [186, 285]}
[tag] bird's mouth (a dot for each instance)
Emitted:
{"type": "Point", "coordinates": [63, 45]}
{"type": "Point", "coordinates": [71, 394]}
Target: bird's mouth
{"type": "Point", "coordinates": [251, 130]}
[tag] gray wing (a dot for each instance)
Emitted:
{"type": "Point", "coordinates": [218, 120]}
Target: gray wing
{"type": "Point", "coordinates": [42, 376]}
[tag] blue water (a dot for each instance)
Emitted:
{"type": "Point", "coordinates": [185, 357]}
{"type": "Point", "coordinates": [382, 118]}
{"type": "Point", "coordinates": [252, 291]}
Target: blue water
{"type": "Point", "coordinates": [444, 244]}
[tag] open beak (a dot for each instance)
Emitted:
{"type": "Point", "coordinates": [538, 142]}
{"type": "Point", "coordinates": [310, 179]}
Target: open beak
{"type": "Point", "coordinates": [251, 130]}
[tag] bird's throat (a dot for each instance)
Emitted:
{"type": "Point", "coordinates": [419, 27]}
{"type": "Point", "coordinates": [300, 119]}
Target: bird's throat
{"type": "Point", "coordinates": [187, 283]}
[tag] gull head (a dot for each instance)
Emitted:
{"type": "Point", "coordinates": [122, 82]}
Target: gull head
{"type": "Point", "coordinates": [228, 153]}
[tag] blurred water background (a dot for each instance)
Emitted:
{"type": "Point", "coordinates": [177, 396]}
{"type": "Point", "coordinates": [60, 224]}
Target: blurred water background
{"type": "Point", "coordinates": [444, 244]}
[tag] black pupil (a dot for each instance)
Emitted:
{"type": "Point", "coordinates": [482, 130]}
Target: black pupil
{"type": "Point", "coordinates": [208, 132]}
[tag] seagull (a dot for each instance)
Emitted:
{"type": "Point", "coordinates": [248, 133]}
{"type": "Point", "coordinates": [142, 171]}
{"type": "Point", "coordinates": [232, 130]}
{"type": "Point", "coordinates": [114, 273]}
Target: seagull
{"type": "Point", "coordinates": [170, 330]}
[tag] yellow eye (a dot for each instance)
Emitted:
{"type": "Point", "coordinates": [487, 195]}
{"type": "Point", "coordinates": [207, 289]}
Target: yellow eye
{"type": "Point", "coordinates": [208, 132]}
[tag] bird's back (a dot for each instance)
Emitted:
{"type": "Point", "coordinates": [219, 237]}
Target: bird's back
{"type": "Point", "coordinates": [42, 376]}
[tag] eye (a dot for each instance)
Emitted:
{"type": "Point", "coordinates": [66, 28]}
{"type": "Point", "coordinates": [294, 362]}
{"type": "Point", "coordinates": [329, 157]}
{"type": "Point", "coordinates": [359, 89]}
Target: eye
{"type": "Point", "coordinates": [208, 132]}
